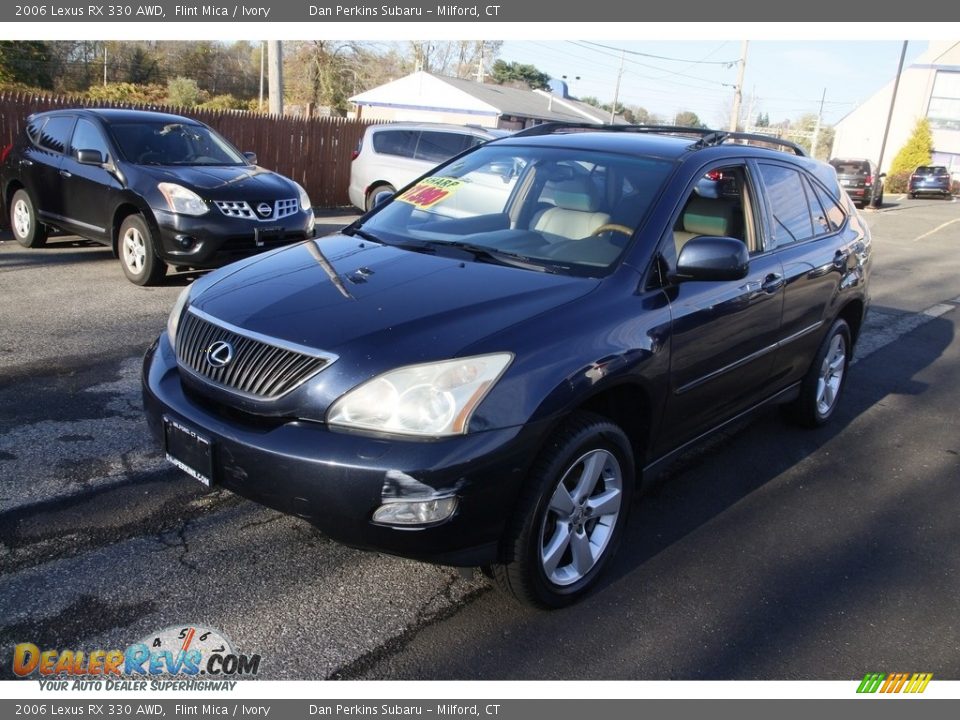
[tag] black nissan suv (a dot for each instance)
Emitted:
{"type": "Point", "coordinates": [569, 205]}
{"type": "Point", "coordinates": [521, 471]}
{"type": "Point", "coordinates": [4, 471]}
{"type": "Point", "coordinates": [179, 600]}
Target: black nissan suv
{"type": "Point", "coordinates": [484, 369]}
{"type": "Point", "coordinates": [156, 188]}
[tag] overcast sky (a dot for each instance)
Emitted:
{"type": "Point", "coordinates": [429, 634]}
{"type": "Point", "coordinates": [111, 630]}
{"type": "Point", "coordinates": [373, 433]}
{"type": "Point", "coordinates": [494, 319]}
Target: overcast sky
{"type": "Point", "coordinates": [786, 79]}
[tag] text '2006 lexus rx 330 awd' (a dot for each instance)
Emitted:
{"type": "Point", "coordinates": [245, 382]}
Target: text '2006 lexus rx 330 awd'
{"type": "Point", "coordinates": [483, 370]}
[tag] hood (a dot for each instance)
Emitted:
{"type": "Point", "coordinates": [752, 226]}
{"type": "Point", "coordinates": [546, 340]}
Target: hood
{"type": "Point", "coordinates": [380, 306]}
{"type": "Point", "coordinates": [225, 182]}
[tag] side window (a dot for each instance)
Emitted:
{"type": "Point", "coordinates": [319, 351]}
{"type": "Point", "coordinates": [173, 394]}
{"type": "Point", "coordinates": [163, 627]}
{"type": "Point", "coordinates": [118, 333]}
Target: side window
{"type": "Point", "coordinates": [439, 146]}
{"type": "Point", "coordinates": [789, 208]}
{"type": "Point", "coordinates": [828, 215]}
{"type": "Point", "coordinates": [396, 142]}
{"type": "Point", "coordinates": [720, 206]}
{"type": "Point", "coordinates": [55, 134]}
{"type": "Point", "coordinates": [86, 136]}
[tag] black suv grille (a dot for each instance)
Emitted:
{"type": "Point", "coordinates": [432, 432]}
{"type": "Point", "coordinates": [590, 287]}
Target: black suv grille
{"type": "Point", "coordinates": [255, 367]}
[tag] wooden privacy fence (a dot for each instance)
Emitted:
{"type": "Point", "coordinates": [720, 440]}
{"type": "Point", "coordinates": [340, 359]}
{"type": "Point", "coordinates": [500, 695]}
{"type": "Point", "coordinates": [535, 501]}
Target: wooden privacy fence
{"type": "Point", "coordinates": [313, 151]}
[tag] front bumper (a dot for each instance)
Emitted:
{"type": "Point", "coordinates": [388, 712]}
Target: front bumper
{"type": "Point", "coordinates": [214, 239]}
{"type": "Point", "coordinates": [336, 480]}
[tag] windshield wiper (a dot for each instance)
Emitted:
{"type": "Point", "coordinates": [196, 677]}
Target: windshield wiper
{"type": "Point", "coordinates": [501, 257]}
{"type": "Point", "coordinates": [358, 231]}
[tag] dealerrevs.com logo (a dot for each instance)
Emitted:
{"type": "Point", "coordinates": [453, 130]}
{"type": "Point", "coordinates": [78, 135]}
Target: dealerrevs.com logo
{"type": "Point", "coordinates": [911, 683]}
{"type": "Point", "coordinates": [180, 657]}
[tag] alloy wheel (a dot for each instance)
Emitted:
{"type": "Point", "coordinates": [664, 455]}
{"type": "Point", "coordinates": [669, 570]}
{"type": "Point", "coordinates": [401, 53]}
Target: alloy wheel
{"type": "Point", "coordinates": [581, 517]}
{"type": "Point", "coordinates": [134, 250]}
{"type": "Point", "coordinates": [831, 374]}
{"type": "Point", "coordinates": [21, 218]}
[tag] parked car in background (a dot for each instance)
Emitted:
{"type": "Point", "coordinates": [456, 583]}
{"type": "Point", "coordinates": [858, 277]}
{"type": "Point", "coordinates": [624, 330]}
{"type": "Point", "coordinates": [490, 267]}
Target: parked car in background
{"type": "Point", "coordinates": [159, 189]}
{"type": "Point", "coordinates": [929, 180]}
{"type": "Point", "coordinates": [390, 156]}
{"type": "Point", "coordinates": [490, 387]}
{"type": "Point", "coordinates": [860, 179]}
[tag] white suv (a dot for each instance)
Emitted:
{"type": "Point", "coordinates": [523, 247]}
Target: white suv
{"type": "Point", "coordinates": [390, 156]}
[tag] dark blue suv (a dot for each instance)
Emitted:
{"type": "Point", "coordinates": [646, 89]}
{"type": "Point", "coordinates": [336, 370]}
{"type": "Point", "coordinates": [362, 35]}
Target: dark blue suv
{"type": "Point", "coordinates": [484, 370]}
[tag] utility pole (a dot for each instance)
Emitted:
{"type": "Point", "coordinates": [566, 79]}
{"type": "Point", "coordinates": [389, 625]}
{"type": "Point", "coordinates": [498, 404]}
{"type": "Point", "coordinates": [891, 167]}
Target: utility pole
{"type": "Point", "coordinates": [263, 61]}
{"type": "Point", "coordinates": [104, 64]}
{"type": "Point", "coordinates": [275, 63]}
{"type": "Point", "coordinates": [480, 71]}
{"type": "Point", "coordinates": [738, 91]}
{"type": "Point", "coordinates": [616, 91]}
{"type": "Point", "coordinates": [874, 201]}
{"type": "Point", "coordinates": [816, 128]}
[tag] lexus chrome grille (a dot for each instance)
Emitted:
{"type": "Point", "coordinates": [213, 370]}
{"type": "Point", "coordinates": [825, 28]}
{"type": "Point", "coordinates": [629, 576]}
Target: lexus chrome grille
{"type": "Point", "coordinates": [242, 361]}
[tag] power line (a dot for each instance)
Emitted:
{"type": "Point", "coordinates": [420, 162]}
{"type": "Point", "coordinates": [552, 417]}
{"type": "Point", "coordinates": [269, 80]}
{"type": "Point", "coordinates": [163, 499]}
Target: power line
{"type": "Point", "coordinates": [728, 63]}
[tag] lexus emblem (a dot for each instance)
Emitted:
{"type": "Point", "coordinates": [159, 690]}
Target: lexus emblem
{"type": "Point", "coordinates": [265, 209]}
{"type": "Point", "coordinates": [219, 354]}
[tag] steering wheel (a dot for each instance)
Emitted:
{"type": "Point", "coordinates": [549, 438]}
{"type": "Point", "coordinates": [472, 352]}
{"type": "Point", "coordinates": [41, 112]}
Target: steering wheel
{"type": "Point", "coordinates": [612, 227]}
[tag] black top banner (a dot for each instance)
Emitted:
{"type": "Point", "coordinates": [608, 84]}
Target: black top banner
{"type": "Point", "coordinates": [532, 11]}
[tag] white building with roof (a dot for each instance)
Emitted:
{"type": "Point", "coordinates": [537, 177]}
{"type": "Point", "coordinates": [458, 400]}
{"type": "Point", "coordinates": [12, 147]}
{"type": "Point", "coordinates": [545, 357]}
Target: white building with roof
{"type": "Point", "coordinates": [422, 97]}
{"type": "Point", "coordinates": [929, 88]}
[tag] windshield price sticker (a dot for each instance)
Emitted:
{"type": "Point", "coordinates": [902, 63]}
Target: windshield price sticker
{"type": "Point", "coordinates": [429, 191]}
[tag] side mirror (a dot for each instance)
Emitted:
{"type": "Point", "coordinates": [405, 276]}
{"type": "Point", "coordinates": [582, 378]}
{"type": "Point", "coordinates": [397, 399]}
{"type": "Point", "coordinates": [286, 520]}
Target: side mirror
{"type": "Point", "coordinates": [707, 257]}
{"type": "Point", "coordinates": [89, 157]}
{"type": "Point", "coordinates": [381, 197]}
{"type": "Point", "coordinates": [251, 157]}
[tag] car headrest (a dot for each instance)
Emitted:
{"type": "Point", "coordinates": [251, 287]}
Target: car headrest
{"type": "Point", "coordinates": [578, 194]}
{"type": "Point", "coordinates": [706, 216]}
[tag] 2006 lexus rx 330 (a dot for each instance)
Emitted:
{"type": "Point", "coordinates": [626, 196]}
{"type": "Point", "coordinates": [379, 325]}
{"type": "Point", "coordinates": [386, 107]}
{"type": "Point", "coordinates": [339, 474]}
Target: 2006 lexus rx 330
{"type": "Point", "coordinates": [482, 370]}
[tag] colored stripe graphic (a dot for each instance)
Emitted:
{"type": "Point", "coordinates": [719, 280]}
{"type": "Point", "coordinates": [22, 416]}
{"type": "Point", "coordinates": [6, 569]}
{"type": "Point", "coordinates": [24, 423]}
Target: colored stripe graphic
{"type": "Point", "coordinates": [919, 682]}
{"type": "Point", "coordinates": [871, 682]}
{"type": "Point", "coordinates": [894, 683]}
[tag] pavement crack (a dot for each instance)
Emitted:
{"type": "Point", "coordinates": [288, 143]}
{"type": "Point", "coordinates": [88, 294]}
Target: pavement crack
{"type": "Point", "coordinates": [180, 541]}
{"type": "Point", "coordinates": [443, 604]}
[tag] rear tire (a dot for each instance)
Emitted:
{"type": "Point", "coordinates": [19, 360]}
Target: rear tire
{"type": "Point", "coordinates": [824, 382]}
{"type": "Point", "coordinates": [27, 230]}
{"type": "Point", "coordinates": [571, 516]}
{"type": "Point", "coordinates": [376, 191]}
{"type": "Point", "coordinates": [137, 251]}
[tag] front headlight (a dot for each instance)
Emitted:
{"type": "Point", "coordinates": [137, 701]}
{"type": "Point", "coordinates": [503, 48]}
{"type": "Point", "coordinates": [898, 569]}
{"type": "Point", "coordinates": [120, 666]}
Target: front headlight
{"type": "Point", "coordinates": [431, 400]}
{"type": "Point", "coordinates": [181, 200]}
{"type": "Point", "coordinates": [173, 321]}
{"type": "Point", "coordinates": [304, 198]}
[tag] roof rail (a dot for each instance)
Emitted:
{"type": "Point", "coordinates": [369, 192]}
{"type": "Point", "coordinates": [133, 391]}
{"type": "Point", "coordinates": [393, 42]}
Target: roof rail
{"type": "Point", "coordinates": [551, 128]}
{"type": "Point", "coordinates": [718, 137]}
{"type": "Point", "coordinates": [706, 136]}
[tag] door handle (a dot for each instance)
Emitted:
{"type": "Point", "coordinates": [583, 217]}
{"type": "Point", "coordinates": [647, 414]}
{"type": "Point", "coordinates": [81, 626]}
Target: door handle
{"type": "Point", "coordinates": [26, 162]}
{"type": "Point", "coordinates": [66, 174]}
{"type": "Point", "coordinates": [772, 283]}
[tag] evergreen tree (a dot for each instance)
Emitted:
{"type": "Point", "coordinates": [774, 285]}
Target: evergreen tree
{"type": "Point", "coordinates": [917, 151]}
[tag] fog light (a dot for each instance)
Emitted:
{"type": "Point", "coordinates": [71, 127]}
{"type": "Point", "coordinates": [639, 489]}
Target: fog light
{"type": "Point", "coordinates": [185, 241]}
{"type": "Point", "coordinates": [415, 512]}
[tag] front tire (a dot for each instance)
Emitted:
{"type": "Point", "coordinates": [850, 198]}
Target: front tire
{"type": "Point", "coordinates": [27, 230]}
{"type": "Point", "coordinates": [824, 382]}
{"type": "Point", "coordinates": [137, 251]}
{"type": "Point", "coordinates": [571, 516]}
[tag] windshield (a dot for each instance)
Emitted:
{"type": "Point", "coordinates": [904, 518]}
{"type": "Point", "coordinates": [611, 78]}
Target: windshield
{"type": "Point", "coordinates": [548, 209]}
{"type": "Point", "coordinates": [158, 143]}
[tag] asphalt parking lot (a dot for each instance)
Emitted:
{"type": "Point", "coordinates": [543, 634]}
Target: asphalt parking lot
{"type": "Point", "coordinates": [773, 553]}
